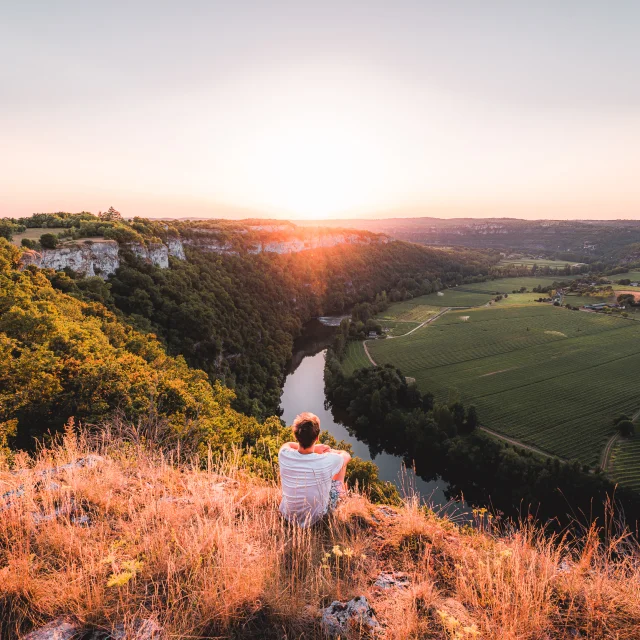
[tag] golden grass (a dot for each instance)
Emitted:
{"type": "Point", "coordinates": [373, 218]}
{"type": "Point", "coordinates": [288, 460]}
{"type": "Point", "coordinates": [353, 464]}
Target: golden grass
{"type": "Point", "coordinates": [205, 553]}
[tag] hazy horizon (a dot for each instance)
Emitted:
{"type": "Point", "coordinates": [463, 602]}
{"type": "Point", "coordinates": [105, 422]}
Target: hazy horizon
{"type": "Point", "coordinates": [326, 110]}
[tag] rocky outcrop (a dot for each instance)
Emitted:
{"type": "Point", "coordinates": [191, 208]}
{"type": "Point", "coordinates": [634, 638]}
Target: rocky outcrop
{"type": "Point", "coordinates": [155, 252]}
{"type": "Point", "coordinates": [58, 629]}
{"type": "Point", "coordinates": [61, 629]}
{"type": "Point", "coordinates": [393, 580]}
{"type": "Point", "coordinates": [87, 257]}
{"type": "Point", "coordinates": [210, 244]}
{"type": "Point", "coordinates": [319, 241]}
{"type": "Point", "coordinates": [176, 248]}
{"type": "Point", "coordinates": [100, 257]}
{"type": "Point", "coordinates": [343, 619]}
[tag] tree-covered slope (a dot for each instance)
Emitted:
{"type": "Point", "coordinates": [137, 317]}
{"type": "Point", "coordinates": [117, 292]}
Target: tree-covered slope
{"type": "Point", "coordinates": [61, 357]}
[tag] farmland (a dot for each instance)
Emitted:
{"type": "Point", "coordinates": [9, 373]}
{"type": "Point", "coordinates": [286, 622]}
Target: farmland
{"type": "Point", "coordinates": [466, 295]}
{"type": "Point", "coordinates": [410, 311]}
{"type": "Point", "coordinates": [355, 358]}
{"type": "Point", "coordinates": [625, 463]}
{"type": "Point", "coordinates": [530, 262]}
{"type": "Point", "coordinates": [545, 376]}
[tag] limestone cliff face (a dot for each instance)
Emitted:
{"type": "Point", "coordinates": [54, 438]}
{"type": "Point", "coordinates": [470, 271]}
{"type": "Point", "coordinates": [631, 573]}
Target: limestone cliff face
{"type": "Point", "coordinates": [319, 241]}
{"type": "Point", "coordinates": [210, 244]}
{"type": "Point", "coordinates": [155, 252]}
{"type": "Point", "coordinates": [99, 257]}
{"type": "Point", "coordinates": [293, 245]}
{"type": "Point", "coordinates": [176, 248]}
{"type": "Point", "coordinates": [87, 257]}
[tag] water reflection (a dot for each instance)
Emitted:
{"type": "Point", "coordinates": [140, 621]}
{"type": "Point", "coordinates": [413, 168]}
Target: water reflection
{"type": "Point", "coordinates": [304, 391]}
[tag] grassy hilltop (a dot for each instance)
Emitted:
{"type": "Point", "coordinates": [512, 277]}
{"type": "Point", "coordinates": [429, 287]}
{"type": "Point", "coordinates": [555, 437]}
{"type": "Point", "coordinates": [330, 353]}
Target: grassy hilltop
{"type": "Point", "coordinates": [203, 552]}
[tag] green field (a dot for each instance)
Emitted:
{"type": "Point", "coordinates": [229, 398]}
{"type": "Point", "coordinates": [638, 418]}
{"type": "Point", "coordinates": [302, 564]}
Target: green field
{"type": "Point", "coordinates": [625, 463]}
{"type": "Point", "coordinates": [34, 234]}
{"type": "Point", "coordinates": [530, 262]}
{"type": "Point", "coordinates": [634, 276]}
{"type": "Point", "coordinates": [550, 377]}
{"type": "Point", "coordinates": [410, 311]}
{"type": "Point", "coordinates": [397, 328]}
{"type": "Point", "coordinates": [470, 295]}
{"type": "Point", "coordinates": [355, 358]}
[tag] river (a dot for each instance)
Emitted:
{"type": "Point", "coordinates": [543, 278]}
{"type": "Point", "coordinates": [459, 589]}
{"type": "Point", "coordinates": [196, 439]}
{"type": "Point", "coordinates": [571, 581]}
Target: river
{"type": "Point", "coordinates": [304, 391]}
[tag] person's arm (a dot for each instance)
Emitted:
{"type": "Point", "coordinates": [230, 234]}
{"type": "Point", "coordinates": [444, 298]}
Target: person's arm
{"type": "Point", "coordinates": [319, 448]}
{"type": "Point", "coordinates": [345, 454]}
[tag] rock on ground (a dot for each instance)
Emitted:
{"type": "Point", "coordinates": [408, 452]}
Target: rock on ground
{"type": "Point", "coordinates": [138, 630]}
{"type": "Point", "coordinates": [340, 618]}
{"type": "Point", "coordinates": [396, 579]}
{"type": "Point", "coordinates": [59, 629]}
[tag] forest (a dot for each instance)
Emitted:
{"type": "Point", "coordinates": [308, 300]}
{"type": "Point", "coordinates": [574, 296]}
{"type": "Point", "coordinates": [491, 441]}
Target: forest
{"type": "Point", "coordinates": [235, 314]}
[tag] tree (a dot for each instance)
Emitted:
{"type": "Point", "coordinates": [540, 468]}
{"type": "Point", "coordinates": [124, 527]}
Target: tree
{"type": "Point", "coordinates": [110, 215]}
{"type": "Point", "coordinates": [376, 405]}
{"type": "Point", "coordinates": [472, 419]}
{"type": "Point", "coordinates": [626, 428]}
{"type": "Point", "coordinates": [48, 241]}
{"type": "Point", "coordinates": [6, 230]}
{"type": "Point", "coordinates": [626, 299]}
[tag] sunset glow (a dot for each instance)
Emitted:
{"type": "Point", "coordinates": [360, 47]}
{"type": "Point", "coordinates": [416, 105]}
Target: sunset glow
{"type": "Point", "coordinates": [321, 111]}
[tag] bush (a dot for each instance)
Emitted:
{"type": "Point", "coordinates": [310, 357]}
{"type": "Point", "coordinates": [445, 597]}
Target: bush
{"type": "Point", "coordinates": [48, 241]}
{"type": "Point", "coordinates": [626, 428]}
{"type": "Point", "coordinates": [28, 244]}
{"type": "Point", "coordinates": [6, 230]}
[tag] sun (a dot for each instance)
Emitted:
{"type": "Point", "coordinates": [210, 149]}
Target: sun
{"type": "Point", "coordinates": [314, 168]}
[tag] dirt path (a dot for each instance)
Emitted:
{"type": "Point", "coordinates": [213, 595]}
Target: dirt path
{"type": "Point", "coordinates": [517, 443]}
{"type": "Point", "coordinates": [371, 360]}
{"type": "Point", "coordinates": [605, 458]}
{"type": "Point", "coordinates": [428, 321]}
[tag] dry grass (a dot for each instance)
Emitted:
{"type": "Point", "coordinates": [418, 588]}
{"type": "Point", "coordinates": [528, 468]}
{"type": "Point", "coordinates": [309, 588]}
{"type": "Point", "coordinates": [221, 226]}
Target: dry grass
{"type": "Point", "coordinates": [205, 553]}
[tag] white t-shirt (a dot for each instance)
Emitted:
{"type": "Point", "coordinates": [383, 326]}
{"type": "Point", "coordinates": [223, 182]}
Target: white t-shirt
{"type": "Point", "coordinates": [306, 483]}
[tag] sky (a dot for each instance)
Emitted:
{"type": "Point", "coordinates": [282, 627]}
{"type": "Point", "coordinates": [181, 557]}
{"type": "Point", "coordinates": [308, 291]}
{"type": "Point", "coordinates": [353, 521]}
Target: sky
{"type": "Point", "coordinates": [334, 109]}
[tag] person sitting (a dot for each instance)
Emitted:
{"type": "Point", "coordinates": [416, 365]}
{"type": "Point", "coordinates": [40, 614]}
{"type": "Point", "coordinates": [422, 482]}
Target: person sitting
{"type": "Point", "coordinates": [311, 474]}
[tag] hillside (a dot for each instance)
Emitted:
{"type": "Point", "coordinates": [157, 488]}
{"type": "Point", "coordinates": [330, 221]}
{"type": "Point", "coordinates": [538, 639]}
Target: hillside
{"type": "Point", "coordinates": [230, 297]}
{"type": "Point", "coordinates": [566, 239]}
{"type": "Point", "coordinates": [124, 536]}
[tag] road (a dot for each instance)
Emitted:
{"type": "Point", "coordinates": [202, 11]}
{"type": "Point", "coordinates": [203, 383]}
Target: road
{"type": "Point", "coordinates": [426, 322]}
{"type": "Point", "coordinates": [517, 443]}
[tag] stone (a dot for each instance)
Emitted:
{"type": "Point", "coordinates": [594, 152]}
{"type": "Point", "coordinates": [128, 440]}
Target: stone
{"type": "Point", "coordinates": [58, 629]}
{"type": "Point", "coordinates": [176, 248]}
{"type": "Point", "coordinates": [395, 579]}
{"type": "Point", "coordinates": [147, 629]}
{"type": "Point", "coordinates": [349, 618]}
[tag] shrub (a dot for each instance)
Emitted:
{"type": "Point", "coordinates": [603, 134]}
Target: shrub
{"type": "Point", "coordinates": [626, 428]}
{"type": "Point", "coordinates": [48, 241]}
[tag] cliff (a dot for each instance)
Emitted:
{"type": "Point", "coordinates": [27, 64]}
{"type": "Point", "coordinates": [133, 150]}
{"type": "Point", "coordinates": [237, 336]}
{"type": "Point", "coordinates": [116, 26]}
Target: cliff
{"type": "Point", "coordinates": [100, 257]}
{"type": "Point", "coordinates": [275, 240]}
{"type": "Point", "coordinates": [112, 537]}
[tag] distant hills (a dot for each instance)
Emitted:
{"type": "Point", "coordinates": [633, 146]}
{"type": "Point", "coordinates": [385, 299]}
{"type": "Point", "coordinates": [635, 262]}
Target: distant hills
{"type": "Point", "coordinates": [601, 239]}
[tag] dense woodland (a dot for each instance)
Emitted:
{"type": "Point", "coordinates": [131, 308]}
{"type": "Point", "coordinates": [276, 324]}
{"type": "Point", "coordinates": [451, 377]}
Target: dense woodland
{"type": "Point", "coordinates": [63, 360]}
{"type": "Point", "coordinates": [235, 315]}
{"type": "Point", "coordinates": [195, 353]}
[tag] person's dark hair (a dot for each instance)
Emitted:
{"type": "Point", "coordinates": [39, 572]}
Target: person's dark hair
{"type": "Point", "coordinates": [306, 429]}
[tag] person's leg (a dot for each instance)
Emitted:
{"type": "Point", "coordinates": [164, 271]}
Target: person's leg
{"type": "Point", "coordinates": [339, 477]}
